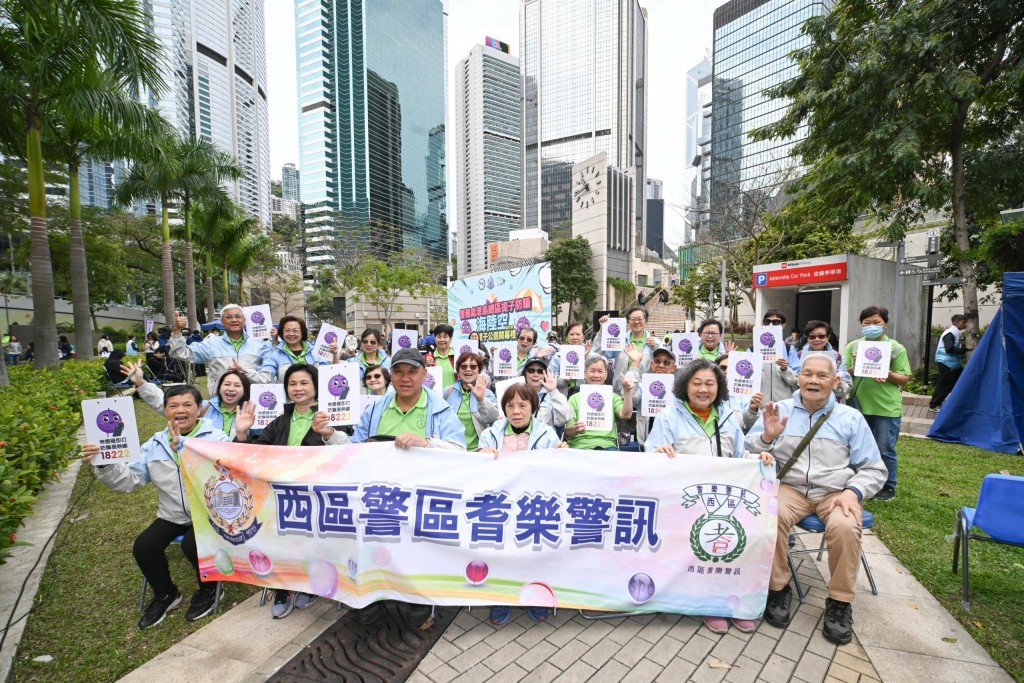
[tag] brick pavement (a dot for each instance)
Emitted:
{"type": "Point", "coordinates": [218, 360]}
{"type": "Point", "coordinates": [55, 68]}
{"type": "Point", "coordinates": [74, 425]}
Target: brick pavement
{"type": "Point", "coordinates": [655, 647]}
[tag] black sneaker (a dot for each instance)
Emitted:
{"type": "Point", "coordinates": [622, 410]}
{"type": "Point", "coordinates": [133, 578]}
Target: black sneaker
{"type": "Point", "coordinates": [887, 493]}
{"type": "Point", "coordinates": [158, 608]}
{"type": "Point", "coordinates": [776, 612]}
{"type": "Point", "coordinates": [284, 602]}
{"type": "Point", "coordinates": [202, 602]}
{"type": "Point", "coordinates": [370, 614]}
{"type": "Point", "coordinates": [838, 627]}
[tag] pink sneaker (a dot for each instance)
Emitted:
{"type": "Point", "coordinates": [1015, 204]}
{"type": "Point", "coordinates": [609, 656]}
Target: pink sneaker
{"type": "Point", "coordinates": [745, 625]}
{"type": "Point", "coordinates": [716, 624]}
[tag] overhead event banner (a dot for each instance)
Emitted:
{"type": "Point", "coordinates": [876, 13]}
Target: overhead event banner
{"type": "Point", "coordinates": [497, 305]}
{"type": "Point", "coordinates": [365, 522]}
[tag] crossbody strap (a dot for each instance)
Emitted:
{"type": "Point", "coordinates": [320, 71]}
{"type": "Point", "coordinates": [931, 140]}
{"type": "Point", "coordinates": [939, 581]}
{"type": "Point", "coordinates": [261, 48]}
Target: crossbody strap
{"type": "Point", "coordinates": [800, 447]}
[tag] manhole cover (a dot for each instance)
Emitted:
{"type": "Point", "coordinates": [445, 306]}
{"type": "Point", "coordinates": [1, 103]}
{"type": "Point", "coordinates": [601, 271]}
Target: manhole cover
{"type": "Point", "coordinates": [388, 650]}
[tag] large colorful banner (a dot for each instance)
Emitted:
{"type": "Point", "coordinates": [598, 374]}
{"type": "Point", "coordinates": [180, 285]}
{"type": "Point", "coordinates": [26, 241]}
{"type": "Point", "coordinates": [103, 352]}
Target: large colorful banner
{"type": "Point", "coordinates": [497, 305]}
{"type": "Point", "coordinates": [566, 528]}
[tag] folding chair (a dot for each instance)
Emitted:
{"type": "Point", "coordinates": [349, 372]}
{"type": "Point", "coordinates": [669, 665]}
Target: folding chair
{"type": "Point", "coordinates": [145, 583]}
{"type": "Point", "coordinates": [812, 524]}
{"type": "Point", "coordinates": [998, 513]}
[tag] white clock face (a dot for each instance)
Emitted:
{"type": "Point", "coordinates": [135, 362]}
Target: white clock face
{"type": "Point", "coordinates": [587, 187]}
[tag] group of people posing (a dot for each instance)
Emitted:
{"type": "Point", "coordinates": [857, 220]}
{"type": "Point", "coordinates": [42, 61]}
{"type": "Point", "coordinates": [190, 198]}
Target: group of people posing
{"type": "Point", "coordinates": [850, 455]}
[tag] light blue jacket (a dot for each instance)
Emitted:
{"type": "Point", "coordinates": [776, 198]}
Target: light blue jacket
{"type": "Point", "coordinates": [277, 361]}
{"type": "Point", "coordinates": [443, 428]}
{"type": "Point", "coordinates": [484, 413]}
{"type": "Point", "coordinates": [217, 353]}
{"type": "Point", "coordinates": [541, 436]}
{"type": "Point", "coordinates": [845, 380]}
{"type": "Point", "coordinates": [676, 427]}
{"type": "Point", "coordinates": [386, 363]}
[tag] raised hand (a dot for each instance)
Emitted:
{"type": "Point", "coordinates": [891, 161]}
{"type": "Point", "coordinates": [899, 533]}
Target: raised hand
{"type": "Point", "coordinates": [180, 322]}
{"type": "Point", "coordinates": [245, 418]}
{"type": "Point", "coordinates": [134, 372]}
{"type": "Point", "coordinates": [602, 320]}
{"type": "Point", "coordinates": [756, 400]}
{"type": "Point", "coordinates": [729, 345]}
{"type": "Point", "coordinates": [550, 381]}
{"type": "Point", "coordinates": [236, 366]}
{"type": "Point", "coordinates": [480, 387]}
{"type": "Point", "coordinates": [627, 383]}
{"type": "Point", "coordinates": [635, 355]}
{"type": "Point", "coordinates": [773, 424]}
{"type": "Point", "coordinates": [652, 342]}
{"type": "Point", "coordinates": [173, 435]}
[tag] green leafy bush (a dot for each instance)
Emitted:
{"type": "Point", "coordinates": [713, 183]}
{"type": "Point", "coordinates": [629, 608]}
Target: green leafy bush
{"type": "Point", "coordinates": [39, 416]}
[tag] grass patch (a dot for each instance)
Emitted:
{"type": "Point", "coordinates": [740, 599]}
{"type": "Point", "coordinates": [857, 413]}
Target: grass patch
{"type": "Point", "coordinates": [86, 611]}
{"type": "Point", "coordinates": [936, 480]}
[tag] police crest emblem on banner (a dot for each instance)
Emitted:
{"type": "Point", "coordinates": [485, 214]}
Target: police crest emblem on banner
{"type": "Point", "coordinates": [229, 507]}
{"type": "Point", "coordinates": [717, 535]}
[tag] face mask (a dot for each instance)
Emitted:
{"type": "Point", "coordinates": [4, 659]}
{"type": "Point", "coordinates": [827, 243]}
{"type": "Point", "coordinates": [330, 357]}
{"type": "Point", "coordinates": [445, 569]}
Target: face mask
{"type": "Point", "coordinates": [872, 331]}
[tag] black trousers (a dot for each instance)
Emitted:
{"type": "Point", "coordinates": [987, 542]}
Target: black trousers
{"type": "Point", "coordinates": [150, 553]}
{"type": "Point", "coordinates": [947, 380]}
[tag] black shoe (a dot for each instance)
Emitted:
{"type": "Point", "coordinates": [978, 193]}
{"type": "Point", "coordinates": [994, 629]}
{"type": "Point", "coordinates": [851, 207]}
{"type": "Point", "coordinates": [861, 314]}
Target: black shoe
{"type": "Point", "coordinates": [887, 493]}
{"type": "Point", "coordinates": [415, 615]}
{"type": "Point", "coordinates": [202, 602]}
{"type": "Point", "coordinates": [776, 612]}
{"type": "Point", "coordinates": [370, 614]}
{"type": "Point", "coordinates": [838, 627]}
{"type": "Point", "coordinates": [158, 608]}
{"type": "Point", "coordinates": [284, 602]}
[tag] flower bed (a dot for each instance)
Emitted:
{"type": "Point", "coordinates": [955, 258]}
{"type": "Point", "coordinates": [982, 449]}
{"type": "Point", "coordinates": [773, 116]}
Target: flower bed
{"type": "Point", "coordinates": [39, 416]}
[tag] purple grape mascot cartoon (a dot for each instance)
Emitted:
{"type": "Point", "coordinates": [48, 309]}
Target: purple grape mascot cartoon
{"type": "Point", "coordinates": [657, 389]}
{"type": "Point", "coordinates": [505, 355]}
{"type": "Point", "coordinates": [745, 369]}
{"type": "Point", "coordinates": [110, 422]}
{"type": "Point", "coordinates": [685, 345]}
{"type": "Point", "coordinates": [522, 323]}
{"type": "Point", "coordinates": [465, 349]}
{"type": "Point", "coordinates": [258, 317]}
{"type": "Point", "coordinates": [404, 342]}
{"type": "Point", "coordinates": [330, 338]}
{"type": "Point", "coordinates": [613, 330]}
{"type": "Point", "coordinates": [767, 340]}
{"type": "Point", "coordinates": [466, 327]}
{"type": "Point", "coordinates": [572, 358]}
{"type": "Point", "coordinates": [874, 354]}
{"type": "Point", "coordinates": [428, 381]}
{"type": "Point", "coordinates": [338, 386]}
{"type": "Point", "coordinates": [595, 401]}
{"type": "Point", "coordinates": [268, 400]}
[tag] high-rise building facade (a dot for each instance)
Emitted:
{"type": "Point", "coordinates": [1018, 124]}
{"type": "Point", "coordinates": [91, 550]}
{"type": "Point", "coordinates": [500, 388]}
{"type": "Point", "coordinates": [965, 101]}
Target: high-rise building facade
{"type": "Point", "coordinates": [583, 66]}
{"type": "Point", "coordinates": [753, 40]}
{"type": "Point", "coordinates": [371, 79]}
{"type": "Point", "coordinates": [214, 68]}
{"type": "Point", "coordinates": [290, 183]}
{"type": "Point", "coordinates": [697, 148]}
{"type": "Point", "coordinates": [488, 167]}
{"type": "Point", "coordinates": [654, 238]}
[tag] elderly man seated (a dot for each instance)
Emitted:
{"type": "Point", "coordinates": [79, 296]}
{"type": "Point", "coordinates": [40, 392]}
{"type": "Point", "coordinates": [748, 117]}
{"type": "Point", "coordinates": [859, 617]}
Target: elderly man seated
{"type": "Point", "coordinates": [839, 467]}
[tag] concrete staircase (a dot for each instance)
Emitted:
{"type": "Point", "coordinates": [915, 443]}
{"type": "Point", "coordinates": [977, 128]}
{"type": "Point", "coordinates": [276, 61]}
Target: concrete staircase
{"type": "Point", "coordinates": [917, 419]}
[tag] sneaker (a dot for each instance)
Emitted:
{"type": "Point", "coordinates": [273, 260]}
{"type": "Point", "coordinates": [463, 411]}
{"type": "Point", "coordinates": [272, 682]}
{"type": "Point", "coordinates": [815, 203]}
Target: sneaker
{"type": "Point", "coordinates": [370, 614]}
{"type": "Point", "coordinates": [838, 627]}
{"type": "Point", "coordinates": [284, 601]}
{"type": "Point", "coordinates": [537, 613]}
{"type": "Point", "coordinates": [745, 625]}
{"type": "Point", "coordinates": [501, 615]}
{"type": "Point", "coordinates": [717, 625]}
{"type": "Point", "coordinates": [304, 600]}
{"type": "Point", "coordinates": [887, 493]}
{"type": "Point", "coordinates": [202, 603]}
{"type": "Point", "coordinates": [776, 612]}
{"type": "Point", "coordinates": [158, 608]}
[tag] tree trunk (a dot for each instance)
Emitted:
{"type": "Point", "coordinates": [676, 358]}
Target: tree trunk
{"type": "Point", "coordinates": [241, 291]}
{"type": "Point", "coordinates": [166, 267]}
{"type": "Point", "coordinates": [4, 379]}
{"type": "Point", "coordinates": [963, 242]}
{"type": "Point", "coordinates": [227, 291]}
{"type": "Point", "coordinates": [190, 274]}
{"type": "Point", "coordinates": [211, 306]}
{"type": "Point", "coordinates": [79, 269]}
{"type": "Point", "coordinates": [44, 316]}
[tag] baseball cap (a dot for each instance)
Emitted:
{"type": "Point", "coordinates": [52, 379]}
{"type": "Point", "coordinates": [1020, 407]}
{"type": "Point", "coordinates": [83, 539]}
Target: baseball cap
{"type": "Point", "coordinates": [409, 357]}
{"type": "Point", "coordinates": [663, 349]}
{"type": "Point", "coordinates": [536, 360]}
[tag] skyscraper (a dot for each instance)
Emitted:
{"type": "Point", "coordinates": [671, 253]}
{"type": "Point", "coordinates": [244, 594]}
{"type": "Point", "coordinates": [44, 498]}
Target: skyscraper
{"type": "Point", "coordinates": [654, 240]}
{"type": "Point", "coordinates": [583, 67]}
{"type": "Point", "coordinates": [753, 40]}
{"type": "Point", "coordinates": [216, 77]}
{"type": "Point", "coordinates": [290, 182]}
{"type": "Point", "coordinates": [488, 167]}
{"type": "Point", "coordinates": [698, 147]}
{"type": "Point", "coordinates": [371, 125]}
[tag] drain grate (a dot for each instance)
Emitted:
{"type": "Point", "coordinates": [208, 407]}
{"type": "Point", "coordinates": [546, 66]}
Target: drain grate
{"type": "Point", "coordinates": [388, 650]}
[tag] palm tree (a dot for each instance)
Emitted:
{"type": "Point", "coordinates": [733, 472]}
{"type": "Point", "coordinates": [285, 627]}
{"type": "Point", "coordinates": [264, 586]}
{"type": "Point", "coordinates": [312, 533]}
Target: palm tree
{"type": "Point", "coordinates": [218, 227]}
{"type": "Point", "coordinates": [250, 250]}
{"type": "Point", "coordinates": [44, 47]}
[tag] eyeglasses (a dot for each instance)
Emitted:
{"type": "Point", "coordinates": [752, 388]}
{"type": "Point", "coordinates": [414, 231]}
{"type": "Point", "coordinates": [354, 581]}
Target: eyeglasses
{"type": "Point", "coordinates": [373, 378]}
{"type": "Point", "coordinates": [469, 366]}
{"type": "Point", "coordinates": [709, 333]}
{"type": "Point", "coordinates": [232, 317]}
{"type": "Point", "coordinates": [369, 342]}
{"type": "Point", "coordinates": [817, 336]}
{"type": "Point", "coordinates": [535, 371]}
{"type": "Point", "coordinates": [772, 321]}
{"type": "Point", "coordinates": [662, 361]}
{"type": "Point", "coordinates": [637, 319]}
{"type": "Point", "coordinates": [526, 338]}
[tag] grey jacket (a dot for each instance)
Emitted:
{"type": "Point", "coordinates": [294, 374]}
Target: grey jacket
{"type": "Point", "coordinates": [158, 466]}
{"type": "Point", "coordinates": [217, 354]}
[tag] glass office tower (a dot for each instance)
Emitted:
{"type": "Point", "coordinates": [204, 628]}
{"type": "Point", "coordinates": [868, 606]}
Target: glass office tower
{"type": "Point", "coordinates": [371, 125]}
{"type": "Point", "coordinates": [583, 66]}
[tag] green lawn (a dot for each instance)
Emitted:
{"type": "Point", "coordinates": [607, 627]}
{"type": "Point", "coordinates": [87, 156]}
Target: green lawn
{"type": "Point", "coordinates": [935, 480]}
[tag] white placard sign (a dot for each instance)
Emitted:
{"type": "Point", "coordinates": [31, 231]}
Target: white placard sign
{"type": "Point", "coordinates": [258, 321]}
{"type": "Point", "coordinates": [328, 334]}
{"type": "Point", "coordinates": [596, 407]}
{"type": "Point", "coordinates": [404, 339]}
{"type": "Point", "coordinates": [461, 346]}
{"type": "Point", "coordinates": [685, 347]}
{"type": "Point", "coordinates": [502, 386]}
{"type": "Point", "coordinates": [873, 359]}
{"type": "Point", "coordinates": [269, 400]}
{"type": "Point", "coordinates": [656, 391]}
{"type": "Point", "coordinates": [338, 394]}
{"type": "Point", "coordinates": [434, 379]}
{"type": "Point", "coordinates": [744, 376]}
{"type": "Point", "coordinates": [570, 361]}
{"type": "Point", "coordinates": [504, 358]}
{"type": "Point", "coordinates": [614, 333]}
{"type": "Point", "coordinates": [769, 344]}
{"type": "Point", "coordinates": [110, 424]}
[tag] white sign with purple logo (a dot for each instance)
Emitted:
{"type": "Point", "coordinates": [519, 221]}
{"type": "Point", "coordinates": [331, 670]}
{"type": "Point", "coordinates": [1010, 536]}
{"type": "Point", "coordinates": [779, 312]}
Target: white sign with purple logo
{"type": "Point", "coordinates": [873, 359]}
{"type": "Point", "coordinates": [744, 376]}
{"type": "Point", "coordinates": [461, 346]}
{"type": "Point", "coordinates": [502, 386]}
{"type": "Point", "coordinates": [338, 394]}
{"type": "Point", "coordinates": [655, 393]}
{"type": "Point", "coordinates": [504, 358]}
{"type": "Point", "coordinates": [614, 334]}
{"type": "Point", "coordinates": [685, 347]}
{"type": "Point", "coordinates": [258, 321]}
{"type": "Point", "coordinates": [769, 344]}
{"type": "Point", "coordinates": [570, 361]}
{"type": "Point", "coordinates": [434, 379]}
{"type": "Point", "coordinates": [404, 339]}
{"type": "Point", "coordinates": [328, 334]}
{"type": "Point", "coordinates": [269, 400]}
{"type": "Point", "coordinates": [110, 424]}
{"type": "Point", "coordinates": [596, 407]}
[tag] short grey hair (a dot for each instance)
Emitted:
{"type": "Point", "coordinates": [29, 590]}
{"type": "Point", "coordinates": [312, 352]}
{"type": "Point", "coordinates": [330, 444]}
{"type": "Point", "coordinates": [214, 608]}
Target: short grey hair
{"type": "Point", "coordinates": [227, 307]}
{"type": "Point", "coordinates": [595, 358]}
{"type": "Point", "coordinates": [824, 356]}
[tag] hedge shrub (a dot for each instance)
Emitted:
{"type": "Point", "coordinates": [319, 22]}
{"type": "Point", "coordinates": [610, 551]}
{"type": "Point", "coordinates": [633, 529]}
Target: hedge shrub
{"type": "Point", "coordinates": [39, 417]}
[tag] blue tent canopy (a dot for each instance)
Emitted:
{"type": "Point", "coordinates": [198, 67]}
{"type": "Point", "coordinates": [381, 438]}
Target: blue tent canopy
{"type": "Point", "coordinates": [212, 325]}
{"type": "Point", "coordinates": [986, 408]}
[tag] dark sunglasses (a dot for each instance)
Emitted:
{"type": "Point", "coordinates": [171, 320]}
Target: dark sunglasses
{"type": "Point", "coordinates": [773, 321]}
